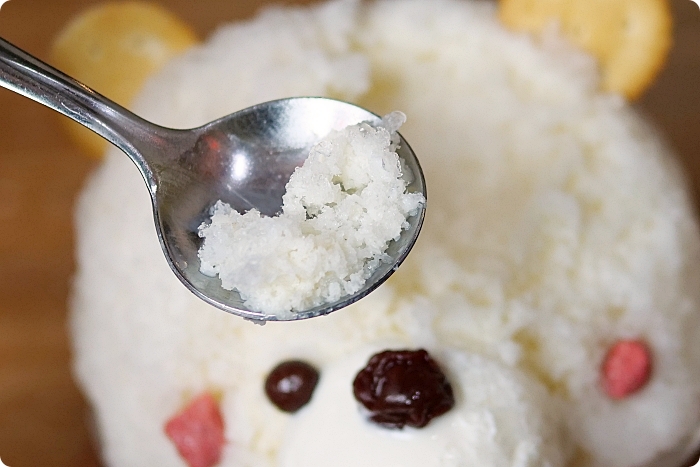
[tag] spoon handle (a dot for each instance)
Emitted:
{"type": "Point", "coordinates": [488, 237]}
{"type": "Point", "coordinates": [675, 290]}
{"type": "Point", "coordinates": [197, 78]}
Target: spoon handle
{"type": "Point", "coordinates": [26, 75]}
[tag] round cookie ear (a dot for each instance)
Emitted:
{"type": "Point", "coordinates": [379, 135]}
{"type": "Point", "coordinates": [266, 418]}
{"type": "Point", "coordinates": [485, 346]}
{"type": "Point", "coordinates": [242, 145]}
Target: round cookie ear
{"type": "Point", "coordinates": [630, 38]}
{"type": "Point", "coordinates": [114, 48]}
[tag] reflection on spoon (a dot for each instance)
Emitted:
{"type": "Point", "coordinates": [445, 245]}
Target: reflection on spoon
{"type": "Point", "coordinates": [244, 159]}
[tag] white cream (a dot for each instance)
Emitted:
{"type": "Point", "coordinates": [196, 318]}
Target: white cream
{"type": "Point", "coordinates": [498, 421]}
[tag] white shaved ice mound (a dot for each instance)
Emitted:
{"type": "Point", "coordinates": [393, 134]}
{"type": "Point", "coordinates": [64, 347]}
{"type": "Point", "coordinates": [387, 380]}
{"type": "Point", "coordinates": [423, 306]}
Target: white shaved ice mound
{"type": "Point", "coordinates": [558, 225]}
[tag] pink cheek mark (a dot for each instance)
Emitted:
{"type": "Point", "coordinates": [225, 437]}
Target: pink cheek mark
{"type": "Point", "coordinates": [198, 431]}
{"type": "Point", "coordinates": [626, 369]}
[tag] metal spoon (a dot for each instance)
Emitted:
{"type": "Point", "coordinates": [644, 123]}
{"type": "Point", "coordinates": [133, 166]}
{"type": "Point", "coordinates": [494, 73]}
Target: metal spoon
{"type": "Point", "coordinates": [187, 171]}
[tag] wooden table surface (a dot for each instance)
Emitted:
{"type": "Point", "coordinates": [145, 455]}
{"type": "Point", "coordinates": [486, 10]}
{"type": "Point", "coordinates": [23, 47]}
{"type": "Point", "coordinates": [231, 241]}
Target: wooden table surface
{"type": "Point", "coordinates": [42, 414]}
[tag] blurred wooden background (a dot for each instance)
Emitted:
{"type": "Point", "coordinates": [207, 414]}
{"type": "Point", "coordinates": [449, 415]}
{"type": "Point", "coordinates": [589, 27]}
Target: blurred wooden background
{"type": "Point", "coordinates": [42, 414]}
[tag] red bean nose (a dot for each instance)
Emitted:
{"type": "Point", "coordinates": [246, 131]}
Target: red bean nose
{"type": "Point", "coordinates": [403, 387]}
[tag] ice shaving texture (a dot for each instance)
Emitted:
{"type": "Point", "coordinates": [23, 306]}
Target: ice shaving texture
{"type": "Point", "coordinates": [341, 209]}
{"type": "Point", "coordinates": [558, 225]}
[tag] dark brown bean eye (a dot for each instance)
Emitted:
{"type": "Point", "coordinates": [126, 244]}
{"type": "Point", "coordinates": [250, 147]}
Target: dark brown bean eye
{"type": "Point", "coordinates": [290, 385]}
{"type": "Point", "coordinates": [403, 387]}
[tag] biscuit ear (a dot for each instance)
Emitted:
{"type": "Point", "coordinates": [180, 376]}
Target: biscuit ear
{"type": "Point", "coordinates": [630, 38]}
{"type": "Point", "coordinates": [114, 48]}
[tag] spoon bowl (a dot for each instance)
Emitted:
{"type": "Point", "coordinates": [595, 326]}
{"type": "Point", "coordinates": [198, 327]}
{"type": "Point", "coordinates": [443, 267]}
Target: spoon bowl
{"type": "Point", "coordinates": [244, 159]}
